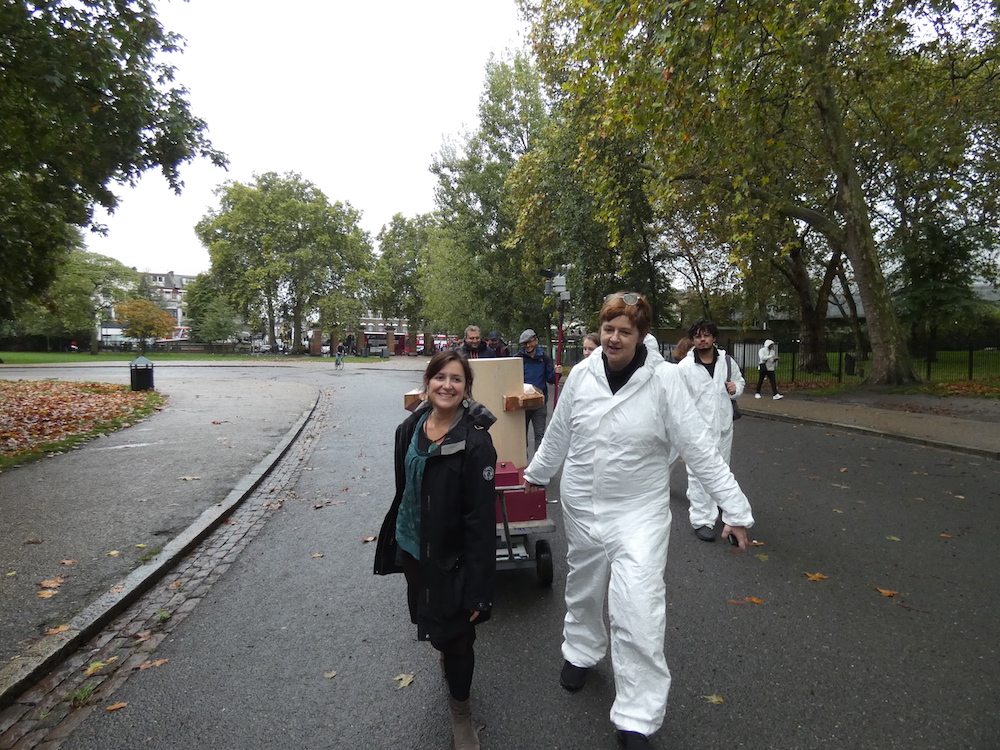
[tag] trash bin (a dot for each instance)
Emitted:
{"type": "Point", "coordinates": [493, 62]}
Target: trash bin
{"type": "Point", "coordinates": [141, 370]}
{"type": "Point", "coordinates": [385, 353]}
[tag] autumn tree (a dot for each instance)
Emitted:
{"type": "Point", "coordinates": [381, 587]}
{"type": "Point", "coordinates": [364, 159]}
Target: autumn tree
{"type": "Point", "coordinates": [791, 111]}
{"type": "Point", "coordinates": [87, 101]}
{"type": "Point", "coordinates": [278, 247]}
{"type": "Point", "coordinates": [141, 319]}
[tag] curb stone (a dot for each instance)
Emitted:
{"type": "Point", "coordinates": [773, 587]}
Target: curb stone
{"type": "Point", "coordinates": [21, 672]}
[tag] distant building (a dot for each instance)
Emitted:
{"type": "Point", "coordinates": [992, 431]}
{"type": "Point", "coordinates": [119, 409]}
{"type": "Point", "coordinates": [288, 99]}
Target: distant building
{"type": "Point", "coordinates": [170, 287]}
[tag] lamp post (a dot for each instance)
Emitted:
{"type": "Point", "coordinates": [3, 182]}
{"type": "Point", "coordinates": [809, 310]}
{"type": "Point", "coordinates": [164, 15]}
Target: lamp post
{"type": "Point", "coordinates": [557, 286]}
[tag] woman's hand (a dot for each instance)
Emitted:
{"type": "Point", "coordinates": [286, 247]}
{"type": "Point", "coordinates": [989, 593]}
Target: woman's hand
{"type": "Point", "coordinates": [731, 387]}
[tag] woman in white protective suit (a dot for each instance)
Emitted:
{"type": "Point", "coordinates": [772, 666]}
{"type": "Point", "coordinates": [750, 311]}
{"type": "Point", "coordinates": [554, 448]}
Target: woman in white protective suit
{"type": "Point", "coordinates": [621, 417]}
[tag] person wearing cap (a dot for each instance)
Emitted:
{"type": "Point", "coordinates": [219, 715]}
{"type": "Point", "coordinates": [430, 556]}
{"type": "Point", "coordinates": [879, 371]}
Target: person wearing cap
{"type": "Point", "coordinates": [473, 346]}
{"type": "Point", "coordinates": [539, 372]}
{"type": "Point", "coordinates": [496, 344]}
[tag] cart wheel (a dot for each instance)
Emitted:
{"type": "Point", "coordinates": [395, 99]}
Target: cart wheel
{"type": "Point", "coordinates": [543, 562]}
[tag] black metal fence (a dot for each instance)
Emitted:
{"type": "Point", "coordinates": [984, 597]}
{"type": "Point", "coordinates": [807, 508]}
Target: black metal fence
{"type": "Point", "coordinates": [845, 365]}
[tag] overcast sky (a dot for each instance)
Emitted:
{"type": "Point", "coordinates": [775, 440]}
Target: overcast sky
{"type": "Point", "coordinates": [356, 97]}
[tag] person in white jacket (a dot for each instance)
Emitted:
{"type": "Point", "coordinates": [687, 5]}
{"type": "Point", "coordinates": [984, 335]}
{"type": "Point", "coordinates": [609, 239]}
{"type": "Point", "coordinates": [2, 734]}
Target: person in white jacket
{"type": "Point", "coordinates": [768, 361]}
{"type": "Point", "coordinates": [714, 380]}
{"type": "Point", "coordinates": [621, 415]}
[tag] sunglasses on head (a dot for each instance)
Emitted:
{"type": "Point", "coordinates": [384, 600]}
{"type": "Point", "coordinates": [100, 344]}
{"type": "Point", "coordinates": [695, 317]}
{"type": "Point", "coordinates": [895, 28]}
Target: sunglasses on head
{"type": "Point", "coordinates": [629, 299]}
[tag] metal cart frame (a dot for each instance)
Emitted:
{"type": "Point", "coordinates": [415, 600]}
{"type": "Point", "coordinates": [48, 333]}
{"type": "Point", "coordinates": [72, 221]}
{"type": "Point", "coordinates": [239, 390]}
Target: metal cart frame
{"type": "Point", "coordinates": [513, 550]}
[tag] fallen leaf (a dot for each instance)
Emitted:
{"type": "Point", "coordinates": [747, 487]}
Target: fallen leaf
{"type": "Point", "coordinates": [176, 584]}
{"type": "Point", "coordinates": [52, 583]}
{"type": "Point", "coordinates": [841, 486]}
{"type": "Point", "coordinates": [150, 664]}
{"type": "Point", "coordinates": [143, 636]}
{"type": "Point", "coordinates": [367, 539]}
{"type": "Point", "coordinates": [48, 594]}
{"type": "Point", "coordinates": [140, 546]}
{"type": "Point", "coordinates": [960, 497]}
{"type": "Point", "coordinates": [946, 536]}
{"type": "Point", "coordinates": [404, 680]}
{"type": "Point", "coordinates": [318, 554]}
{"type": "Point", "coordinates": [331, 675]}
{"type": "Point", "coordinates": [118, 589]}
{"type": "Point", "coordinates": [762, 558]}
{"type": "Point", "coordinates": [754, 600]}
{"type": "Point", "coordinates": [117, 706]}
{"type": "Point", "coordinates": [188, 479]}
{"type": "Point", "coordinates": [815, 576]}
{"type": "Point", "coordinates": [113, 553]}
{"type": "Point", "coordinates": [715, 700]}
{"type": "Point", "coordinates": [12, 573]}
{"type": "Point", "coordinates": [843, 470]}
{"type": "Point", "coordinates": [67, 562]}
{"type": "Point", "coordinates": [886, 592]}
{"type": "Point", "coordinates": [736, 601]}
{"type": "Point", "coordinates": [97, 666]}
{"type": "Point", "coordinates": [894, 539]}
{"type": "Point", "coordinates": [755, 543]}
{"type": "Point", "coordinates": [60, 629]}
{"type": "Point", "coordinates": [837, 511]}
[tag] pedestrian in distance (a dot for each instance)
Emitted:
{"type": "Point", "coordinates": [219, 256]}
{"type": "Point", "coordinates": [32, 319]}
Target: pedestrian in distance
{"type": "Point", "coordinates": [622, 416]}
{"type": "Point", "coordinates": [539, 371]}
{"type": "Point", "coordinates": [768, 361]}
{"type": "Point", "coordinates": [590, 343]}
{"type": "Point", "coordinates": [714, 381]}
{"type": "Point", "coordinates": [473, 346]}
{"type": "Point", "coordinates": [440, 529]}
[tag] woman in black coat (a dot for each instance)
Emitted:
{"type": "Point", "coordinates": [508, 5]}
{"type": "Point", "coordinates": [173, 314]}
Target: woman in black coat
{"type": "Point", "coordinates": [441, 529]}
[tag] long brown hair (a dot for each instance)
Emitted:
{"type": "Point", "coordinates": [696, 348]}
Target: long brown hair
{"type": "Point", "coordinates": [438, 362]}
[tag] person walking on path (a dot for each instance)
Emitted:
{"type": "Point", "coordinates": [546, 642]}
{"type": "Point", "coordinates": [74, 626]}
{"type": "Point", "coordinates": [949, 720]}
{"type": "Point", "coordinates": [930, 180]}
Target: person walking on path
{"type": "Point", "coordinates": [620, 419]}
{"type": "Point", "coordinates": [473, 346]}
{"type": "Point", "coordinates": [768, 361]}
{"type": "Point", "coordinates": [590, 343]}
{"type": "Point", "coordinates": [714, 381]}
{"type": "Point", "coordinates": [440, 529]}
{"type": "Point", "coordinates": [539, 371]}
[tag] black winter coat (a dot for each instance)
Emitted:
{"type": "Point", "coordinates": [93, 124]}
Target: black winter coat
{"type": "Point", "coordinates": [457, 525]}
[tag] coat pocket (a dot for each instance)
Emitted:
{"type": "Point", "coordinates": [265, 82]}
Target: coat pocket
{"type": "Point", "coordinates": [452, 585]}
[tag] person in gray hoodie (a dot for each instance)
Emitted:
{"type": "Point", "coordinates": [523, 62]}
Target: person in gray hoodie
{"type": "Point", "coordinates": [768, 361]}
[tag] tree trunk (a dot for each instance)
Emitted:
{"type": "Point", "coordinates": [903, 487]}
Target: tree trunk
{"type": "Point", "coordinates": [890, 360]}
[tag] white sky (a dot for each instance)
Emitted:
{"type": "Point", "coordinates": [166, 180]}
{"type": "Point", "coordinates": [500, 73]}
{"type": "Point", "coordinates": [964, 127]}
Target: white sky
{"type": "Point", "coordinates": [356, 97]}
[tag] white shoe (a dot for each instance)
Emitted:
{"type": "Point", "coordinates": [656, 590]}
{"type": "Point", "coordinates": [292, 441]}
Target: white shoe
{"type": "Point", "coordinates": [756, 395]}
{"type": "Point", "coordinates": [776, 396]}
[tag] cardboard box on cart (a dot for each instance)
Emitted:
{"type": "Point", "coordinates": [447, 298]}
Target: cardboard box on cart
{"type": "Point", "coordinates": [498, 384]}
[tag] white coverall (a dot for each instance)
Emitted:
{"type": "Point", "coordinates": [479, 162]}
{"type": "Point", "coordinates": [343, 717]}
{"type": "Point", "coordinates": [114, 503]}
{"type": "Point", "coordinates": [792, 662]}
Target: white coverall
{"type": "Point", "coordinates": [714, 403]}
{"type": "Point", "coordinates": [615, 495]}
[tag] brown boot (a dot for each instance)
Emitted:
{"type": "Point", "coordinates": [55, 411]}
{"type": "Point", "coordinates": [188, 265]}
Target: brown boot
{"type": "Point", "coordinates": [461, 725]}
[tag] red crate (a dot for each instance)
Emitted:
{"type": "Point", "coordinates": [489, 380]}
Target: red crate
{"type": "Point", "coordinates": [508, 475]}
{"type": "Point", "coordinates": [523, 506]}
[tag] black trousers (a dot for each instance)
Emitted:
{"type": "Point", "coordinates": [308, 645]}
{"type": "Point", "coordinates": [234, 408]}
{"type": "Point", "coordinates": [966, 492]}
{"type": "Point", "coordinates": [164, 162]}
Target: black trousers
{"type": "Point", "coordinates": [769, 374]}
{"type": "Point", "coordinates": [458, 655]}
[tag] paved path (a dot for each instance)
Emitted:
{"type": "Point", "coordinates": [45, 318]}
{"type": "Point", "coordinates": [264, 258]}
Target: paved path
{"type": "Point", "coordinates": [786, 514]}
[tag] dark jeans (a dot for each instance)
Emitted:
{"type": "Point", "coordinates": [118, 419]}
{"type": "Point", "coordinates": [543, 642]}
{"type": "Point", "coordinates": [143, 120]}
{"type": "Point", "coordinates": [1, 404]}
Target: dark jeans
{"type": "Point", "coordinates": [769, 374]}
{"type": "Point", "coordinates": [535, 418]}
{"type": "Point", "coordinates": [459, 658]}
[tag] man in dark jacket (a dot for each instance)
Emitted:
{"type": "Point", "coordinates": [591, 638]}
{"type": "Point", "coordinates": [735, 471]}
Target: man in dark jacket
{"type": "Point", "coordinates": [538, 371]}
{"type": "Point", "coordinates": [497, 346]}
{"type": "Point", "coordinates": [473, 346]}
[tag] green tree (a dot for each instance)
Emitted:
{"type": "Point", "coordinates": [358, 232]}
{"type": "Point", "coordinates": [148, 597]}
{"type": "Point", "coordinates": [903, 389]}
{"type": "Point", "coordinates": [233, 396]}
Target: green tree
{"type": "Point", "coordinates": [278, 247]}
{"type": "Point", "coordinates": [79, 299]}
{"type": "Point", "coordinates": [478, 272]}
{"type": "Point", "coordinates": [395, 282]}
{"type": "Point", "coordinates": [86, 101]}
{"type": "Point", "coordinates": [219, 323]}
{"type": "Point", "coordinates": [143, 320]}
{"type": "Point", "coordinates": [791, 111]}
